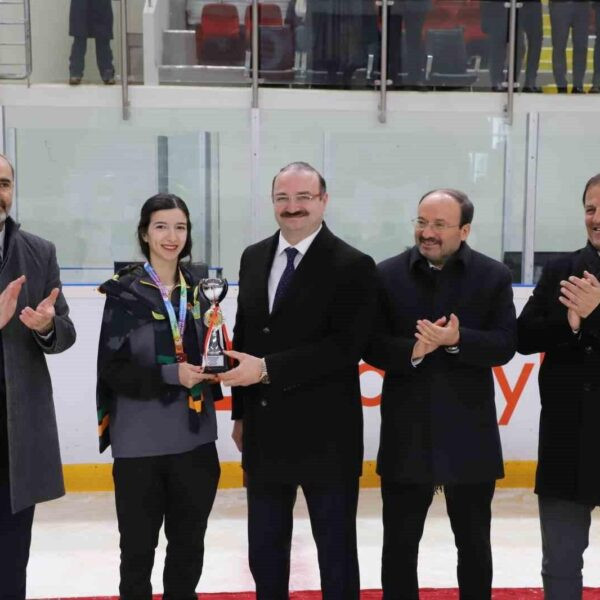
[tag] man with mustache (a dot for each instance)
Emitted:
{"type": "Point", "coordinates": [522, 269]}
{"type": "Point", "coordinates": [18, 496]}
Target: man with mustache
{"type": "Point", "coordinates": [30, 467]}
{"type": "Point", "coordinates": [562, 319]}
{"type": "Point", "coordinates": [304, 316]}
{"type": "Point", "coordinates": [446, 317]}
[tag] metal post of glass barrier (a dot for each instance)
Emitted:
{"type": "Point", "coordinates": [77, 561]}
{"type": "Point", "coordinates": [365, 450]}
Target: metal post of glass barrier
{"type": "Point", "coordinates": [124, 62]}
{"type": "Point", "coordinates": [28, 41]}
{"type": "Point", "coordinates": [528, 250]}
{"type": "Point", "coordinates": [254, 53]}
{"type": "Point", "coordinates": [383, 81]}
{"type": "Point", "coordinates": [512, 39]}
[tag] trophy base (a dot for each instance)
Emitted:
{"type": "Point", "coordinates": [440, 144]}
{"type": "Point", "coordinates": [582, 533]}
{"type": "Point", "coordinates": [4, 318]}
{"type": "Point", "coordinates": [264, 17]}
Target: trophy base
{"type": "Point", "coordinates": [216, 364]}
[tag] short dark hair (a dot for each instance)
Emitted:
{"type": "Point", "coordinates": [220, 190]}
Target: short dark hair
{"type": "Point", "coordinates": [592, 182]}
{"type": "Point", "coordinates": [466, 206]}
{"type": "Point", "coordinates": [301, 166]}
{"type": "Point", "coordinates": [12, 169]}
{"type": "Point", "coordinates": [163, 202]}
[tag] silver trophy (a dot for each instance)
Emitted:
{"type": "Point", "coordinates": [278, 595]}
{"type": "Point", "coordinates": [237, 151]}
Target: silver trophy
{"type": "Point", "coordinates": [214, 358]}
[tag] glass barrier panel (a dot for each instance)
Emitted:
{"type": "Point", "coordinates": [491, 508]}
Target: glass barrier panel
{"type": "Point", "coordinates": [83, 175]}
{"type": "Point", "coordinates": [375, 179]}
{"type": "Point", "coordinates": [569, 147]}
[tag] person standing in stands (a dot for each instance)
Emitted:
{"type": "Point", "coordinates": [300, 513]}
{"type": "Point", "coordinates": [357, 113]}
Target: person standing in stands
{"type": "Point", "coordinates": [569, 16]}
{"type": "Point", "coordinates": [407, 18]}
{"type": "Point", "coordinates": [530, 32]}
{"type": "Point", "coordinates": [562, 319]}
{"type": "Point", "coordinates": [446, 317]}
{"type": "Point", "coordinates": [495, 17]}
{"type": "Point", "coordinates": [304, 314]}
{"type": "Point", "coordinates": [91, 19]}
{"type": "Point", "coordinates": [595, 89]}
{"type": "Point", "coordinates": [156, 406]}
{"type": "Point", "coordinates": [34, 321]}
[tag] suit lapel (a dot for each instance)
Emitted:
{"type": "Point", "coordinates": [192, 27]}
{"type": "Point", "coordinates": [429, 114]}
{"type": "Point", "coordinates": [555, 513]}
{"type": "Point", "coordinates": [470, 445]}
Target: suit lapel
{"type": "Point", "coordinates": [263, 269]}
{"type": "Point", "coordinates": [309, 271]}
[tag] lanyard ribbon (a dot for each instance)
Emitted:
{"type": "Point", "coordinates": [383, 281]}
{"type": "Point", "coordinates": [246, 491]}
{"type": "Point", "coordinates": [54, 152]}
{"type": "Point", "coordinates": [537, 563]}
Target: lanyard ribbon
{"type": "Point", "coordinates": [177, 325]}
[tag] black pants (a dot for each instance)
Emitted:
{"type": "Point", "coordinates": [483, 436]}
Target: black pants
{"type": "Point", "coordinates": [405, 507]}
{"type": "Point", "coordinates": [104, 57]}
{"type": "Point", "coordinates": [413, 32]}
{"type": "Point", "coordinates": [15, 539]}
{"type": "Point", "coordinates": [565, 17]}
{"type": "Point", "coordinates": [529, 34]}
{"type": "Point", "coordinates": [332, 510]}
{"type": "Point", "coordinates": [180, 488]}
{"type": "Point", "coordinates": [596, 80]}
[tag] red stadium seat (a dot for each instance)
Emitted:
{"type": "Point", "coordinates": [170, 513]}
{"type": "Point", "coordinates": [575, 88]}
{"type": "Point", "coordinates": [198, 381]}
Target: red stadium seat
{"type": "Point", "coordinates": [269, 15]}
{"type": "Point", "coordinates": [218, 39]}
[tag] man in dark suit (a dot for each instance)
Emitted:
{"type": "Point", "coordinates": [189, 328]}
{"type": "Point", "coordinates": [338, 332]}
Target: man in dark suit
{"type": "Point", "coordinates": [562, 319]}
{"type": "Point", "coordinates": [446, 318]}
{"type": "Point", "coordinates": [91, 19]}
{"type": "Point", "coordinates": [30, 467]}
{"type": "Point", "coordinates": [304, 312]}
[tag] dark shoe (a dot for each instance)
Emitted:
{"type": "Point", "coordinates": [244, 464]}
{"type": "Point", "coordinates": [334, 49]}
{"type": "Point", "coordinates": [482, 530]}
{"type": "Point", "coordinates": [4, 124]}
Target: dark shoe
{"type": "Point", "coordinates": [561, 90]}
{"type": "Point", "coordinates": [74, 80]}
{"type": "Point", "coordinates": [577, 90]}
{"type": "Point", "coordinates": [595, 89]}
{"type": "Point", "coordinates": [108, 77]}
{"type": "Point", "coordinates": [532, 89]}
{"type": "Point", "coordinates": [498, 88]}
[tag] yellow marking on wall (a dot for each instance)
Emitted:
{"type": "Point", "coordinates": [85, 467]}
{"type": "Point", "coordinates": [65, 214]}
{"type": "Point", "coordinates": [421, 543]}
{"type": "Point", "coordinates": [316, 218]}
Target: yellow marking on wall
{"type": "Point", "coordinates": [98, 477]}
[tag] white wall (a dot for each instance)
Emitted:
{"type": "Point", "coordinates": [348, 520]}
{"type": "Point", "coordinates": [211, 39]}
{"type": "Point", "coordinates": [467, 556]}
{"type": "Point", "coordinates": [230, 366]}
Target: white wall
{"type": "Point", "coordinates": [74, 380]}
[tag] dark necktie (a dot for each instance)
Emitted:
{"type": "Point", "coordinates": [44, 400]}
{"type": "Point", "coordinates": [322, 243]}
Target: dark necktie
{"type": "Point", "coordinates": [286, 277]}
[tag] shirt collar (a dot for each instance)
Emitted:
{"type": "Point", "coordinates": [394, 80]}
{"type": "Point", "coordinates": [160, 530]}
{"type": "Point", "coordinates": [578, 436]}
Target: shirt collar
{"type": "Point", "coordinates": [2, 238]}
{"type": "Point", "coordinates": [462, 255]}
{"type": "Point", "coordinates": [301, 246]}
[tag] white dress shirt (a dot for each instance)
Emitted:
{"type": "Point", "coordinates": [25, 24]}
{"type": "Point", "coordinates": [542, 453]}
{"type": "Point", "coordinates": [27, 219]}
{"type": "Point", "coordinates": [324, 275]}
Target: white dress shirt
{"type": "Point", "coordinates": [280, 261]}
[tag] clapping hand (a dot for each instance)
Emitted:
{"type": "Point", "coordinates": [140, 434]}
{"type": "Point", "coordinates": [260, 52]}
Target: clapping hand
{"type": "Point", "coordinates": [41, 319]}
{"type": "Point", "coordinates": [581, 295]}
{"type": "Point", "coordinates": [437, 334]}
{"type": "Point", "coordinates": [8, 300]}
{"type": "Point", "coordinates": [421, 347]}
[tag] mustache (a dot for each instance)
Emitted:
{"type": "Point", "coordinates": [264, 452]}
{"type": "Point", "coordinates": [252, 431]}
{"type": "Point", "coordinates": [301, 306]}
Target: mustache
{"type": "Point", "coordinates": [429, 239]}
{"type": "Point", "coordinates": [298, 213]}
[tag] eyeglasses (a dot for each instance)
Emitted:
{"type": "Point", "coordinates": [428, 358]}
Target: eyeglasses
{"type": "Point", "coordinates": [437, 226]}
{"type": "Point", "coordinates": [300, 198]}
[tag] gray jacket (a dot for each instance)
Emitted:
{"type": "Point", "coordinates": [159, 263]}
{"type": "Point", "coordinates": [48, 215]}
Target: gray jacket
{"type": "Point", "coordinates": [35, 470]}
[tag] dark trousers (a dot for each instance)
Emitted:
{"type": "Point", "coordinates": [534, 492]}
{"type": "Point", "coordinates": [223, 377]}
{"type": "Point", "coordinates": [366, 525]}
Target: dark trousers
{"type": "Point", "coordinates": [405, 507]}
{"type": "Point", "coordinates": [104, 57]}
{"type": "Point", "coordinates": [332, 511]}
{"type": "Point", "coordinates": [530, 35]}
{"type": "Point", "coordinates": [565, 17]}
{"type": "Point", "coordinates": [565, 536]}
{"type": "Point", "coordinates": [413, 32]}
{"type": "Point", "coordinates": [179, 488]}
{"type": "Point", "coordinates": [596, 80]}
{"type": "Point", "coordinates": [15, 539]}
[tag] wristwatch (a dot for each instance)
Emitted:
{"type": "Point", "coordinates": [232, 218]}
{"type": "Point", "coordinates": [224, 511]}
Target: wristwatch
{"type": "Point", "coordinates": [264, 375]}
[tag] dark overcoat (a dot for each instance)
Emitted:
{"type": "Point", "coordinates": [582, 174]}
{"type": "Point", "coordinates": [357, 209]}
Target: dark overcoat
{"type": "Point", "coordinates": [569, 380]}
{"type": "Point", "coordinates": [91, 19]}
{"type": "Point", "coordinates": [438, 419]}
{"type": "Point", "coordinates": [306, 425]}
{"type": "Point", "coordinates": [35, 470]}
